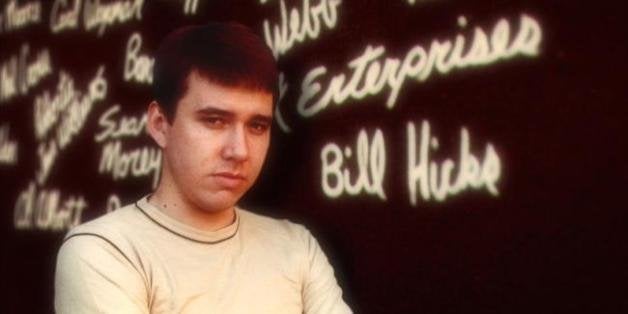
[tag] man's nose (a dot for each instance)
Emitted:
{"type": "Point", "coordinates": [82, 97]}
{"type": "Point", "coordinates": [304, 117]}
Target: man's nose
{"type": "Point", "coordinates": [236, 146]}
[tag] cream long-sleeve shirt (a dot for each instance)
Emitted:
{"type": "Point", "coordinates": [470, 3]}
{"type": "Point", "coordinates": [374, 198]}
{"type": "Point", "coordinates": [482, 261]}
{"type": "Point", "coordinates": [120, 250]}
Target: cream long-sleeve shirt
{"type": "Point", "coordinates": [139, 260]}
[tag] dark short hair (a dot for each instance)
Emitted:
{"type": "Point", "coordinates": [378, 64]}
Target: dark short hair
{"type": "Point", "coordinates": [228, 54]}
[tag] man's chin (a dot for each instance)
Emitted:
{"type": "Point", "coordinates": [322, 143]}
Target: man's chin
{"type": "Point", "coordinates": [218, 201]}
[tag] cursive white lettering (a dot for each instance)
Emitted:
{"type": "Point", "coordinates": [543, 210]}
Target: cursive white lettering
{"type": "Point", "coordinates": [434, 179]}
{"type": "Point", "coordinates": [8, 147]}
{"type": "Point", "coordinates": [67, 19]}
{"type": "Point", "coordinates": [100, 16]}
{"type": "Point", "coordinates": [336, 177]}
{"type": "Point", "coordinates": [190, 7]}
{"type": "Point", "coordinates": [46, 210]}
{"type": "Point", "coordinates": [47, 152]}
{"type": "Point", "coordinates": [18, 74]}
{"type": "Point", "coordinates": [138, 68]}
{"type": "Point", "coordinates": [70, 109]}
{"type": "Point", "coordinates": [297, 27]}
{"type": "Point", "coordinates": [138, 162]}
{"type": "Point", "coordinates": [18, 17]}
{"type": "Point", "coordinates": [113, 203]}
{"type": "Point", "coordinates": [283, 89]}
{"type": "Point", "coordinates": [122, 127]}
{"type": "Point", "coordinates": [369, 74]}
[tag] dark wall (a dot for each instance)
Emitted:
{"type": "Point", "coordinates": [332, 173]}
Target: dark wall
{"type": "Point", "coordinates": [450, 156]}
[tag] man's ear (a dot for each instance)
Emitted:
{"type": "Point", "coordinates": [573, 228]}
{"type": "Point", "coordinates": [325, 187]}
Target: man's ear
{"type": "Point", "coordinates": [157, 124]}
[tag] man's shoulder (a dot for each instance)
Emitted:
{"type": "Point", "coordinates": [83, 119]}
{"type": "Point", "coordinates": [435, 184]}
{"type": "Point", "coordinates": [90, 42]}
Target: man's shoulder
{"type": "Point", "coordinates": [110, 226]}
{"type": "Point", "coordinates": [274, 228]}
{"type": "Point", "coordinates": [108, 239]}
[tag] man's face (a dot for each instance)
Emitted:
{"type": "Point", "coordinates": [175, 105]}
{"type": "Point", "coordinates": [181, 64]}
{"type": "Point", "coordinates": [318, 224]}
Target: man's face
{"type": "Point", "coordinates": [217, 143]}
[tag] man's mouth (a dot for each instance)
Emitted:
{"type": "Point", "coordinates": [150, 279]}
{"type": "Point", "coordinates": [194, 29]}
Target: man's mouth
{"type": "Point", "coordinates": [229, 179]}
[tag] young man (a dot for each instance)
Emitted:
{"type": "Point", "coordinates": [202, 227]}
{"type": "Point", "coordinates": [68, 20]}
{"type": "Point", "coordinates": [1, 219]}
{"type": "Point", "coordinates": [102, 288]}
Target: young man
{"type": "Point", "coordinates": [187, 248]}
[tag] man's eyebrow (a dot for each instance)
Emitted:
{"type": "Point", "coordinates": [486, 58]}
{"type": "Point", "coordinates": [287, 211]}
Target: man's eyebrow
{"type": "Point", "coordinates": [209, 110]}
{"type": "Point", "coordinates": [214, 111]}
{"type": "Point", "coordinates": [262, 118]}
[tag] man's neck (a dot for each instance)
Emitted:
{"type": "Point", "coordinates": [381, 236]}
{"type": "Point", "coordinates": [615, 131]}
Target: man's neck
{"type": "Point", "coordinates": [187, 213]}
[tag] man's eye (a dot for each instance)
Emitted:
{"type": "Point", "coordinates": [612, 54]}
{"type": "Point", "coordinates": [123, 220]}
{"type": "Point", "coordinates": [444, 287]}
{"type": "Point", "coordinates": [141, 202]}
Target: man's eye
{"type": "Point", "coordinates": [259, 127]}
{"type": "Point", "coordinates": [215, 121]}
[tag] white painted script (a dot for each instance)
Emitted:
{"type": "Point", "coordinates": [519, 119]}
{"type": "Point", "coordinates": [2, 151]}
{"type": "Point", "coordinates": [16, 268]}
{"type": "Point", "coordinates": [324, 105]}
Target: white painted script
{"type": "Point", "coordinates": [19, 74]}
{"type": "Point", "coordinates": [297, 27]}
{"type": "Point", "coordinates": [67, 101]}
{"type": "Point", "coordinates": [18, 17]}
{"type": "Point", "coordinates": [46, 209]}
{"type": "Point", "coordinates": [413, 2]}
{"type": "Point", "coordinates": [47, 152]}
{"type": "Point", "coordinates": [68, 111]}
{"type": "Point", "coordinates": [283, 89]}
{"type": "Point", "coordinates": [8, 147]}
{"type": "Point", "coordinates": [370, 161]}
{"type": "Point", "coordinates": [115, 128]}
{"type": "Point", "coordinates": [362, 171]}
{"type": "Point", "coordinates": [74, 117]}
{"type": "Point", "coordinates": [113, 203]}
{"type": "Point", "coordinates": [99, 16]}
{"type": "Point", "coordinates": [371, 73]}
{"type": "Point", "coordinates": [48, 108]}
{"type": "Point", "coordinates": [139, 162]}
{"type": "Point", "coordinates": [137, 67]}
{"type": "Point", "coordinates": [190, 7]}
{"type": "Point", "coordinates": [434, 179]}
{"type": "Point", "coordinates": [64, 15]}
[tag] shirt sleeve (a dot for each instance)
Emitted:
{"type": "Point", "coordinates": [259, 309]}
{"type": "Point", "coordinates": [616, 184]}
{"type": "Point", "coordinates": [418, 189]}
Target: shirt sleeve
{"type": "Point", "coordinates": [321, 293]}
{"type": "Point", "coordinates": [94, 276]}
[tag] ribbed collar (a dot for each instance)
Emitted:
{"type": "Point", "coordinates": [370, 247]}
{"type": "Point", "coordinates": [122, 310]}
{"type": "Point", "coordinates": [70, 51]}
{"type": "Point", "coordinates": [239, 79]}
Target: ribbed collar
{"type": "Point", "coordinates": [188, 232]}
